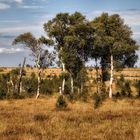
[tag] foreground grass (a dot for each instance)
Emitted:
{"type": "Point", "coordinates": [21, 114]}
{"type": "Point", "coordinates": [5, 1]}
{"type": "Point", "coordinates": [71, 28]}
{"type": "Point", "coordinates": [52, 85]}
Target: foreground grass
{"type": "Point", "coordinates": [31, 119]}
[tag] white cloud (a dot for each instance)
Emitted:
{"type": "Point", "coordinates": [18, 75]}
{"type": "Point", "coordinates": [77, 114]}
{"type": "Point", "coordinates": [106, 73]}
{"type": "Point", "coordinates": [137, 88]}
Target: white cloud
{"type": "Point", "coordinates": [31, 7]}
{"type": "Point", "coordinates": [130, 16]}
{"type": "Point", "coordinates": [18, 1]}
{"type": "Point", "coordinates": [4, 6]}
{"type": "Point", "coordinates": [24, 28]}
{"type": "Point", "coordinates": [11, 1]}
{"type": "Point", "coordinates": [10, 50]}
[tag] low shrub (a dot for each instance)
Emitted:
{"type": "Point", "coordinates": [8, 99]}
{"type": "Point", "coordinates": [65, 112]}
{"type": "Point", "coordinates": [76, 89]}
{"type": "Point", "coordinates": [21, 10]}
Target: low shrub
{"type": "Point", "coordinates": [61, 102]}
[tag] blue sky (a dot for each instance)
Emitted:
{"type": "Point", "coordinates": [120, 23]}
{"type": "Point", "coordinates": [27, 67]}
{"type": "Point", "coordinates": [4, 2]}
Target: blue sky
{"type": "Point", "coordinates": [19, 16]}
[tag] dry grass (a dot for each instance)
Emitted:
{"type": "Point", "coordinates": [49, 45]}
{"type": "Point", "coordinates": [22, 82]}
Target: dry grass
{"type": "Point", "coordinates": [31, 119]}
{"type": "Point", "coordinates": [129, 73]}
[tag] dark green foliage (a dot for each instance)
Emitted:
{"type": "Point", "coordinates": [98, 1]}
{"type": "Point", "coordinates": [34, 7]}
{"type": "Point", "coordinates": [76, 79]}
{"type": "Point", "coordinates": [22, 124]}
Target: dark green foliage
{"type": "Point", "coordinates": [127, 89]}
{"type": "Point", "coordinates": [84, 94]}
{"type": "Point", "coordinates": [98, 100]}
{"type": "Point", "coordinates": [61, 102]}
{"type": "Point", "coordinates": [100, 97]}
{"type": "Point", "coordinates": [103, 92]}
{"type": "Point", "coordinates": [50, 86]}
{"type": "Point", "coordinates": [67, 88]}
{"type": "Point", "coordinates": [3, 86]}
{"type": "Point", "coordinates": [30, 85]}
{"type": "Point", "coordinates": [15, 71]}
{"type": "Point", "coordinates": [124, 87]}
{"type": "Point", "coordinates": [113, 38]}
{"type": "Point", "coordinates": [137, 86]}
{"type": "Point", "coordinates": [64, 75]}
{"type": "Point", "coordinates": [122, 78]}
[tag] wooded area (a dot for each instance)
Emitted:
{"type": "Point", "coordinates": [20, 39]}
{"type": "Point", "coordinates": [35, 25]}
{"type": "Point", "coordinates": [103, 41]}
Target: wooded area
{"type": "Point", "coordinates": [74, 101]}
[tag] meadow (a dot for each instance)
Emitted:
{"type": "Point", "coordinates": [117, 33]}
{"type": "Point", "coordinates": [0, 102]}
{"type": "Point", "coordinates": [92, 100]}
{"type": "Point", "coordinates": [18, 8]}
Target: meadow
{"type": "Point", "coordinates": [31, 119]}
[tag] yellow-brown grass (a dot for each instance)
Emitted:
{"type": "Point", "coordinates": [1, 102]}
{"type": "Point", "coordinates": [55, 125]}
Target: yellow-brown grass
{"type": "Point", "coordinates": [129, 73]}
{"type": "Point", "coordinates": [31, 119]}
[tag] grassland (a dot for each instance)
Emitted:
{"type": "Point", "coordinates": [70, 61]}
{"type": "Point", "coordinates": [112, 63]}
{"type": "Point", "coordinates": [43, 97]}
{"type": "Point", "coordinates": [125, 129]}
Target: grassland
{"type": "Point", "coordinates": [31, 119]}
{"type": "Point", "coordinates": [128, 73]}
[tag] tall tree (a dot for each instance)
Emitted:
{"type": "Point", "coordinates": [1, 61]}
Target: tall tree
{"type": "Point", "coordinates": [57, 30]}
{"type": "Point", "coordinates": [72, 35]}
{"type": "Point", "coordinates": [115, 44]}
{"type": "Point", "coordinates": [40, 55]}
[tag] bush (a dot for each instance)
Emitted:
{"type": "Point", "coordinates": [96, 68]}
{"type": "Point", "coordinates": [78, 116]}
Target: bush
{"type": "Point", "coordinates": [49, 86]}
{"type": "Point", "coordinates": [98, 100]}
{"type": "Point", "coordinates": [61, 102]}
{"type": "Point", "coordinates": [124, 87]}
{"type": "Point", "coordinates": [137, 86]}
{"type": "Point", "coordinates": [30, 84]}
{"type": "Point", "coordinates": [84, 94]}
{"type": "Point", "coordinates": [127, 89]}
{"type": "Point", "coordinates": [3, 86]}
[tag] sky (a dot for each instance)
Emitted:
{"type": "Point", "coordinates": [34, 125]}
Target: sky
{"type": "Point", "coordinates": [19, 16]}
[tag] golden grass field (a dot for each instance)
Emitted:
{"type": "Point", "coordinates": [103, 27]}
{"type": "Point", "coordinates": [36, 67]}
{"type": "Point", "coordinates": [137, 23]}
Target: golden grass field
{"type": "Point", "coordinates": [31, 119]}
{"type": "Point", "coordinates": [129, 73]}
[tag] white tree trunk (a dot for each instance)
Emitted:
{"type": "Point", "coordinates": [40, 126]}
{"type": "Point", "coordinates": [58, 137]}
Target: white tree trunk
{"type": "Point", "coordinates": [63, 83]}
{"type": "Point", "coordinates": [38, 86]}
{"type": "Point", "coordinates": [20, 77]}
{"type": "Point", "coordinates": [60, 90]}
{"type": "Point", "coordinates": [71, 80]}
{"type": "Point", "coordinates": [111, 77]}
{"type": "Point", "coordinates": [39, 77]}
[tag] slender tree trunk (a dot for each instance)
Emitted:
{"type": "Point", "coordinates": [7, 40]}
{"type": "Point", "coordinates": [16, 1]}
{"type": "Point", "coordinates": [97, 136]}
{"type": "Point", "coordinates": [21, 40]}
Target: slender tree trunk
{"type": "Point", "coordinates": [12, 84]}
{"type": "Point", "coordinates": [71, 80]}
{"type": "Point", "coordinates": [64, 80]}
{"type": "Point", "coordinates": [97, 73]}
{"type": "Point", "coordinates": [78, 90]}
{"type": "Point", "coordinates": [82, 86]}
{"type": "Point", "coordinates": [60, 90]}
{"type": "Point", "coordinates": [111, 77]}
{"type": "Point", "coordinates": [39, 82]}
{"type": "Point", "coordinates": [20, 77]}
{"type": "Point", "coordinates": [38, 78]}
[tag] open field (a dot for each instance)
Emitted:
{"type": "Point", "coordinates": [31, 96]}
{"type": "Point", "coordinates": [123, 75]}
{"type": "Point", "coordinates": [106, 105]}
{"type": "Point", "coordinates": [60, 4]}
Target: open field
{"type": "Point", "coordinates": [129, 73]}
{"type": "Point", "coordinates": [31, 119]}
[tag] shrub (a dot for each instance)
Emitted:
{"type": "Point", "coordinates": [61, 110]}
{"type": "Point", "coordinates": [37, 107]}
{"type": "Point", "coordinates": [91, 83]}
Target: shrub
{"type": "Point", "coordinates": [84, 94]}
{"type": "Point", "coordinates": [124, 87]}
{"type": "Point", "coordinates": [30, 84]}
{"type": "Point", "coordinates": [61, 102]}
{"type": "Point", "coordinates": [137, 86]}
{"type": "Point", "coordinates": [49, 86]}
{"type": "Point", "coordinates": [3, 86]}
{"type": "Point", "coordinates": [127, 89]}
{"type": "Point", "coordinates": [97, 99]}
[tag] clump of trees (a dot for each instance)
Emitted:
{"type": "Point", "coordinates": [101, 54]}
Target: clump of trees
{"type": "Point", "coordinates": [106, 40]}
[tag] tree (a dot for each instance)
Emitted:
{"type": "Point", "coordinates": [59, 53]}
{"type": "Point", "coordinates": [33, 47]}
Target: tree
{"type": "Point", "coordinates": [113, 40]}
{"type": "Point", "coordinates": [20, 78]}
{"type": "Point", "coordinates": [56, 30]}
{"type": "Point", "coordinates": [72, 35]}
{"type": "Point", "coordinates": [40, 55]}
